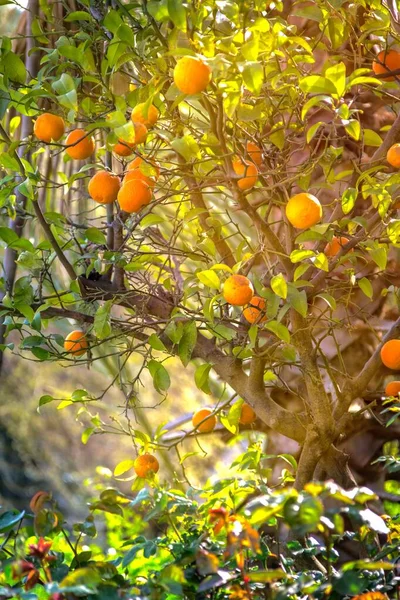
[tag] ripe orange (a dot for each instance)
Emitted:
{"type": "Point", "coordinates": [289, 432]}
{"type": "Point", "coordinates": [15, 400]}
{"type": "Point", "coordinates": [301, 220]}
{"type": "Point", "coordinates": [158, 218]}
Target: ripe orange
{"type": "Point", "coordinates": [140, 163]}
{"type": "Point", "coordinates": [140, 132]}
{"type": "Point", "coordinates": [391, 62]}
{"type": "Point", "coordinates": [209, 422]}
{"type": "Point", "coordinates": [392, 388]}
{"type": "Point", "coordinates": [140, 169]}
{"type": "Point", "coordinates": [247, 173]}
{"type": "Point", "coordinates": [303, 211]}
{"type": "Point", "coordinates": [136, 174]}
{"type": "Point", "coordinates": [79, 150]}
{"type": "Point", "coordinates": [238, 290]}
{"type": "Point", "coordinates": [146, 116]}
{"type": "Point", "coordinates": [255, 153]}
{"type": "Point", "coordinates": [191, 75]}
{"type": "Point", "coordinates": [49, 127]}
{"type": "Point", "coordinates": [146, 465]}
{"type": "Point", "coordinates": [104, 187]}
{"type": "Point", "coordinates": [393, 156]}
{"type": "Point", "coordinates": [76, 343]}
{"type": "Point", "coordinates": [123, 148]}
{"type": "Point", "coordinates": [390, 354]}
{"type": "Point", "coordinates": [133, 195]}
{"type": "Point", "coordinates": [247, 416]}
{"type": "Point", "coordinates": [255, 312]}
{"type": "Point", "coordinates": [335, 245]}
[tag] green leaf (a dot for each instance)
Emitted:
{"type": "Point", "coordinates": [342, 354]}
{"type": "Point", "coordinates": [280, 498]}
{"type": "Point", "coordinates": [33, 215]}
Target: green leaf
{"type": "Point", "coordinates": [96, 236]}
{"type": "Point", "coordinates": [14, 68]}
{"type": "Point", "coordinates": [379, 256]}
{"type": "Point", "coordinates": [279, 285]}
{"type": "Point", "coordinates": [330, 300]}
{"type": "Point", "coordinates": [321, 262]}
{"type": "Point", "coordinates": [371, 138]}
{"type": "Point", "coordinates": [159, 373]}
{"type": "Point", "coordinates": [156, 343]}
{"type": "Point", "coordinates": [313, 130]}
{"type": "Point", "coordinates": [66, 91]}
{"type": "Point", "coordinates": [279, 330]}
{"type": "Point", "coordinates": [177, 14]}
{"type": "Point", "coordinates": [187, 342]}
{"type": "Point", "coordinates": [209, 278]}
{"type": "Point", "coordinates": [337, 75]}
{"type": "Point", "coordinates": [187, 147]}
{"type": "Point", "coordinates": [201, 377]}
{"type": "Point", "coordinates": [299, 255]}
{"type": "Point", "coordinates": [150, 220]}
{"type": "Point", "coordinates": [86, 434]}
{"type": "Point", "coordinates": [312, 12]}
{"type": "Point", "coordinates": [298, 301]}
{"type": "Point", "coordinates": [10, 518]}
{"type": "Point", "coordinates": [253, 76]}
{"type": "Point", "coordinates": [316, 84]}
{"type": "Point", "coordinates": [102, 320]}
{"type": "Point", "coordinates": [78, 15]}
{"type": "Point", "coordinates": [353, 128]}
{"type": "Point", "coordinates": [366, 286]}
{"type": "Point", "coordinates": [348, 200]}
{"type": "Point", "coordinates": [123, 467]}
{"type": "Point", "coordinates": [158, 9]}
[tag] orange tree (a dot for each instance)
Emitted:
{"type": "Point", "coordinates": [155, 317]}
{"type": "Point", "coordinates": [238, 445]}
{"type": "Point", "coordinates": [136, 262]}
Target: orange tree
{"type": "Point", "coordinates": [208, 180]}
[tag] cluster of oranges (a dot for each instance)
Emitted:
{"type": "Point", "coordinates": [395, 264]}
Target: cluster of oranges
{"type": "Point", "coordinates": [204, 421]}
{"type": "Point", "coordinates": [238, 291]}
{"type": "Point", "coordinates": [390, 356]}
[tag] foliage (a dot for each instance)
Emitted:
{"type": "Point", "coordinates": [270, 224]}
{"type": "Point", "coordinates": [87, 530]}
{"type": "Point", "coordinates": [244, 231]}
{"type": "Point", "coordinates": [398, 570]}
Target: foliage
{"type": "Point", "coordinates": [237, 538]}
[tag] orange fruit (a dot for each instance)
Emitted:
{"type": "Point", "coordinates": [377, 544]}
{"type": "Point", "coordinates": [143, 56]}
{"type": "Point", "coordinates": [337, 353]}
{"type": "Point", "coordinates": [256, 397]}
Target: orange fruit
{"type": "Point", "coordinates": [104, 187]}
{"type": "Point", "coordinates": [140, 132]}
{"type": "Point", "coordinates": [49, 127]}
{"type": "Point", "coordinates": [255, 312]}
{"type": "Point", "coordinates": [133, 195]}
{"type": "Point", "coordinates": [392, 388]}
{"type": "Point", "coordinates": [147, 117]}
{"type": "Point", "coordinates": [209, 422]}
{"type": "Point", "coordinates": [393, 156]}
{"type": "Point", "coordinates": [136, 174]}
{"type": "Point", "coordinates": [390, 60]}
{"type": "Point", "coordinates": [238, 290]}
{"type": "Point", "coordinates": [335, 245]}
{"type": "Point", "coordinates": [123, 148]}
{"type": "Point", "coordinates": [303, 211]}
{"type": "Point", "coordinates": [146, 465]}
{"type": "Point", "coordinates": [390, 354]}
{"type": "Point", "coordinates": [140, 163]}
{"type": "Point", "coordinates": [191, 75]}
{"type": "Point", "coordinates": [247, 173]}
{"type": "Point", "coordinates": [80, 149]}
{"type": "Point", "coordinates": [255, 153]}
{"type": "Point", "coordinates": [76, 343]}
{"type": "Point", "coordinates": [247, 415]}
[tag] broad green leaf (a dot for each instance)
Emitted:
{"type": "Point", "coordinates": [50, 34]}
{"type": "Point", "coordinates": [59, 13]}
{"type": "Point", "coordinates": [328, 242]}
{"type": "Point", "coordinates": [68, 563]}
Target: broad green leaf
{"type": "Point", "coordinates": [159, 373]}
{"type": "Point", "coordinates": [102, 320]}
{"type": "Point", "coordinates": [348, 200]}
{"type": "Point", "coordinates": [298, 300]}
{"type": "Point", "coordinates": [66, 91]}
{"type": "Point", "coordinates": [209, 278]}
{"type": "Point", "coordinates": [13, 67]}
{"type": "Point", "coordinates": [316, 84]}
{"type": "Point", "coordinates": [299, 255]}
{"type": "Point", "coordinates": [279, 285]}
{"type": "Point", "coordinates": [337, 75]}
{"type": "Point", "coordinates": [311, 132]}
{"type": "Point", "coordinates": [177, 13]}
{"type": "Point", "coordinates": [253, 76]}
{"type": "Point", "coordinates": [201, 377]}
{"type": "Point", "coordinates": [279, 330]}
{"type": "Point", "coordinates": [187, 342]}
{"type": "Point", "coordinates": [78, 15]}
{"type": "Point", "coordinates": [379, 256]}
{"type": "Point", "coordinates": [123, 467]}
{"type": "Point", "coordinates": [371, 138]}
{"type": "Point", "coordinates": [353, 128]}
{"type": "Point", "coordinates": [96, 236]}
{"type": "Point", "coordinates": [366, 286]}
{"type": "Point", "coordinates": [330, 300]}
{"type": "Point", "coordinates": [156, 343]}
{"type": "Point", "coordinates": [321, 262]}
